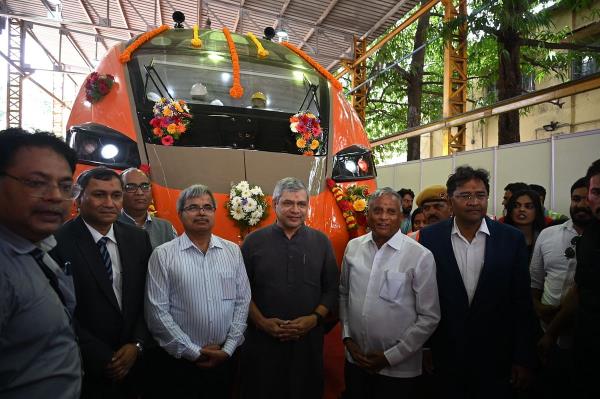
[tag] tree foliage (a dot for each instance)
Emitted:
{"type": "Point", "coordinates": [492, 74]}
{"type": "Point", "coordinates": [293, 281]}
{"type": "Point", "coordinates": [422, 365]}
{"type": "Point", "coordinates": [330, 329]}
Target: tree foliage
{"type": "Point", "coordinates": [508, 39]}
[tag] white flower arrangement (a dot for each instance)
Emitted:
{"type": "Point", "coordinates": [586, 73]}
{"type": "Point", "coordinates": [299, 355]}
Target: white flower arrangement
{"type": "Point", "coordinates": [247, 206]}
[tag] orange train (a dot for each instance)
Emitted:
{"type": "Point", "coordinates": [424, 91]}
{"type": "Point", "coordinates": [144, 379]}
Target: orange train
{"type": "Point", "coordinates": [228, 139]}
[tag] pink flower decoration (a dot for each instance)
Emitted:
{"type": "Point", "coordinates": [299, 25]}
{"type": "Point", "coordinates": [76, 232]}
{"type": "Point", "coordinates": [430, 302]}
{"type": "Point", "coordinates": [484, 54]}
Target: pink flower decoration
{"type": "Point", "coordinates": [167, 140]}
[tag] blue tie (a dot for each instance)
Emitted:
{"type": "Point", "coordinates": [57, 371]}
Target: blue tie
{"type": "Point", "coordinates": [105, 257]}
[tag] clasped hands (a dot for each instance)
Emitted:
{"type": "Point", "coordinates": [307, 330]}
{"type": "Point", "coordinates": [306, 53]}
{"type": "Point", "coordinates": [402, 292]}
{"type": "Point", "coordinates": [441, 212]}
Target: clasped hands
{"type": "Point", "coordinates": [211, 356]}
{"type": "Point", "coordinates": [371, 362]}
{"type": "Point", "coordinates": [289, 330]}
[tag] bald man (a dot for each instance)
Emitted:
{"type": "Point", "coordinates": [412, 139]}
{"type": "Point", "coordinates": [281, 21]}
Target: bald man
{"type": "Point", "coordinates": [137, 197]}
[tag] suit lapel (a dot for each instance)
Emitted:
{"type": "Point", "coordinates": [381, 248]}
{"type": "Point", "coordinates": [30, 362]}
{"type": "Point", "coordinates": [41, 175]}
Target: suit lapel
{"type": "Point", "coordinates": [91, 254]}
{"type": "Point", "coordinates": [454, 271]}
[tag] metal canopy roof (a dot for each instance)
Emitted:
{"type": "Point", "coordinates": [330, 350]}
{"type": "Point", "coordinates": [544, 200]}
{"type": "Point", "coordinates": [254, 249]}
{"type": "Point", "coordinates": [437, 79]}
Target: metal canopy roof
{"type": "Point", "coordinates": [324, 29]}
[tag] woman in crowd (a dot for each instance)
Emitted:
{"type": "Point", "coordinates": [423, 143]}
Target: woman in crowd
{"type": "Point", "coordinates": [417, 220]}
{"type": "Point", "coordinates": [524, 211]}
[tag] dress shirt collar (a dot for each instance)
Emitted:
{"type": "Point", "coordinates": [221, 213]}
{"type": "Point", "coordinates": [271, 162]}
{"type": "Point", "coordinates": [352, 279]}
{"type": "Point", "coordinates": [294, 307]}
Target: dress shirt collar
{"type": "Point", "coordinates": [568, 225]}
{"type": "Point", "coordinates": [395, 241]}
{"type": "Point", "coordinates": [279, 229]}
{"type": "Point", "coordinates": [483, 228]}
{"type": "Point", "coordinates": [148, 217]}
{"type": "Point", "coordinates": [96, 235]}
{"type": "Point", "coordinates": [185, 242]}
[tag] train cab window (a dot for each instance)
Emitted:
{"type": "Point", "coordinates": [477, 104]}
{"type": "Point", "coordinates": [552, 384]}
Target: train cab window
{"type": "Point", "coordinates": [275, 88]}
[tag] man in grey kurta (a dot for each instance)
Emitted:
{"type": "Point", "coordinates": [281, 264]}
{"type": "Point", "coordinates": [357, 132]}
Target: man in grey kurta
{"type": "Point", "coordinates": [39, 357]}
{"type": "Point", "coordinates": [293, 276]}
{"type": "Point", "coordinates": [137, 197]}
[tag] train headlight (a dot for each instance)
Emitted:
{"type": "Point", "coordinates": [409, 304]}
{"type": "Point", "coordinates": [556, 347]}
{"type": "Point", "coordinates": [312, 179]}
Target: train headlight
{"type": "Point", "coordinates": [353, 163]}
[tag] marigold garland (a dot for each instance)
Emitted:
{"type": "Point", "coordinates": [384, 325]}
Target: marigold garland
{"type": "Point", "coordinates": [236, 91]}
{"type": "Point", "coordinates": [334, 82]}
{"type": "Point", "coordinates": [125, 57]}
{"type": "Point", "coordinates": [262, 53]}
{"type": "Point", "coordinates": [196, 42]}
{"type": "Point", "coordinates": [352, 201]}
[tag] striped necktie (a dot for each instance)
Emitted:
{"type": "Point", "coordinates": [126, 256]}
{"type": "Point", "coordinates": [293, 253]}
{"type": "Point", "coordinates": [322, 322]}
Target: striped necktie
{"type": "Point", "coordinates": [105, 257]}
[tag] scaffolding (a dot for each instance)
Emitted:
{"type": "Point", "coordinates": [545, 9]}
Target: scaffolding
{"type": "Point", "coordinates": [14, 88]}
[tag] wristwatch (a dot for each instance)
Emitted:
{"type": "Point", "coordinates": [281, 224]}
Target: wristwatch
{"type": "Point", "coordinates": [319, 318]}
{"type": "Point", "coordinates": [139, 347]}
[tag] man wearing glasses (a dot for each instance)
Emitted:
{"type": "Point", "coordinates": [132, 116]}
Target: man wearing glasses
{"type": "Point", "coordinates": [109, 261]}
{"type": "Point", "coordinates": [484, 341]}
{"type": "Point", "coordinates": [552, 272]}
{"type": "Point", "coordinates": [197, 297]}
{"type": "Point", "coordinates": [137, 197]}
{"type": "Point", "coordinates": [39, 356]}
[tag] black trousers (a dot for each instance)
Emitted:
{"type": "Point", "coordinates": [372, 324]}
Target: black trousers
{"type": "Point", "coordinates": [181, 379]}
{"type": "Point", "coordinates": [360, 385]}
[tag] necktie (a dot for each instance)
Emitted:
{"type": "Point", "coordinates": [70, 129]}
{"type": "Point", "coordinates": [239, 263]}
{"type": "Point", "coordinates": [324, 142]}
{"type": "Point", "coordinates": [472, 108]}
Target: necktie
{"type": "Point", "coordinates": [105, 257]}
{"type": "Point", "coordinates": [38, 255]}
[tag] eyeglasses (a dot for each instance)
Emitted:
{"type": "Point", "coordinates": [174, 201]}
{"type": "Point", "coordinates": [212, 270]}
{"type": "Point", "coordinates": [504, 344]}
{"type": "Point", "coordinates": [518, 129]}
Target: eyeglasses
{"type": "Point", "coordinates": [570, 251]}
{"type": "Point", "coordinates": [195, 209]}
{"type": "Point", "coordinates": [132, 187]}
{"type": "Point", "coordinates": [39, 188]}
{"type": "Point", "coordinates": [470, 196]}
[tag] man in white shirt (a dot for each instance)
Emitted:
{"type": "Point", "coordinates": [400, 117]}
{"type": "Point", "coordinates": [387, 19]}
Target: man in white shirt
{"type": "Point", "coordinates": [552, 271]}
{"type": "Point", "coordinates": [197, 301]}
{"type": "Point", "coordinates": [388, 304]}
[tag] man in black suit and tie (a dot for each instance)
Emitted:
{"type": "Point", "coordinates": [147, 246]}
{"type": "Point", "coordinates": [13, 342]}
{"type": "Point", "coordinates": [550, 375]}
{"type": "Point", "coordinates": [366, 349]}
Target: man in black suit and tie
{"type": "Point", "coordinates": [109, 261]}
{"type": "Point", "coordinates": [484, 344]}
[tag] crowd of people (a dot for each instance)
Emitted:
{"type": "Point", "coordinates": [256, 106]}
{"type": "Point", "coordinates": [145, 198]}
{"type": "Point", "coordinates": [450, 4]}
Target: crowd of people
{"type": "Point", "coordinates": [442, 302]}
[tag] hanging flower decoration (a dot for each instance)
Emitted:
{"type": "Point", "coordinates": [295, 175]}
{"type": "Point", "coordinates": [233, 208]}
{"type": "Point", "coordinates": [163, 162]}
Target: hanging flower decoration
{"type": "Point", "coordinates": [262, 53]}
{"type": "Point", "coordinates": [152, 210]}
{"type": "Point", "coordinates": [236, 91]}
{"type": "Point", "coordinates": [171, 119]}
{"type": "Point", "coordinates": [247, 206]}
{"type": "Point", "coordinates": [308, 132]}
{"type": "Point", "coordinates": [97, 86]}
{"type": "Point", "coordinates": [334, 82]}
{"type": "Point", "coordinates": [196, 42]}
{"type": "Point", "coordinates": [125, 56]}
{"type": "Point", "coordinates": [352, 201]}
{"type": "Point", "coordinates": [145, 168]}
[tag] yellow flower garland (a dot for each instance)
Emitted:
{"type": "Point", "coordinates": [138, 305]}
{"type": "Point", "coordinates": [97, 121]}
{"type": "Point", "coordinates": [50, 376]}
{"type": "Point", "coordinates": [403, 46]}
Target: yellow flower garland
{"type": "Point", "coordinates": [236, 91]}
{"type": "Point", "coordinates": [334, 82]}
{"type": "Point", "coordinates": [262, 53]}
{"type": "Point", "coordinates": [196, 42]}
{"type": "Point", "coordinates": [125, 57]}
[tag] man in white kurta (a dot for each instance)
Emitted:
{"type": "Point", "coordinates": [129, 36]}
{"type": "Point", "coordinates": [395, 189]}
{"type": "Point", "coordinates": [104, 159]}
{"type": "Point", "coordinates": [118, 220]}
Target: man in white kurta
{"type": "Point", "coordinates": [389, 304]}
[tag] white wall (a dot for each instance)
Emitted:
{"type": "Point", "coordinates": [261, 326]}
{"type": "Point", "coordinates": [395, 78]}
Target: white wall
{"type": "Point", "coordinates": [554, 163]}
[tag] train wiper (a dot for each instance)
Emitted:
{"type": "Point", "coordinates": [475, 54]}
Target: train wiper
{"type": "Point", "coordinates": [311, 95]}
{"type": "Point", "coordinates": [153, 75]}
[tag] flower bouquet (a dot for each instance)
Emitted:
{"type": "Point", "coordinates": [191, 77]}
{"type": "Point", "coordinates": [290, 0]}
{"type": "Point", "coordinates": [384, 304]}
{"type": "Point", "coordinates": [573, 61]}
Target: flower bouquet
{"type": "Point", "coordinates": [246, 206]}
{"type": "Point", "coordinates": [97, 86]}
{"type": "Point", "coordinates": [352, 201]}
{"type": "Point", "coordinates": [171, 119]}
{"type": "Point", "coordinates": [308, 132]}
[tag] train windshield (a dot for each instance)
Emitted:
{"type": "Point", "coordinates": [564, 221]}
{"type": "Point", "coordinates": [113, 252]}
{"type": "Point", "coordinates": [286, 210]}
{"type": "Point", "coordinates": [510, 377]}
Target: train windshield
{"type": "Point", "coordinates": [275, 88]}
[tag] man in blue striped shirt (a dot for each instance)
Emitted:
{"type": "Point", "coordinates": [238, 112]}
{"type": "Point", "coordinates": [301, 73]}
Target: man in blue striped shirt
{"type": "Point", "coordinates": [197, 300]}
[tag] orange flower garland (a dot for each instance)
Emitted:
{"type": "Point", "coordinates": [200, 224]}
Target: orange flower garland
{"type": "Point", "coordinates": [352, 201]}
{"type": "Point", "coordinates": [236, 91]}
{"type": "Point", "coordinates": [334, 82]}
{"type": "Point", "coordinates": [126, 55]}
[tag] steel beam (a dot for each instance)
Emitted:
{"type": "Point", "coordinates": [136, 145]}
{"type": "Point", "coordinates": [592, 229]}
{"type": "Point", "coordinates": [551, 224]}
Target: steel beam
{"type": "Point", "coordinates": [359, 75]}
{"type": "Point", "coordinates": [455, 75]}
{"type": "Point", "coordinates": [14, 87]}
{"type": "Point", "coordinates": [525, 100]}
{"type": "Point", "coordinates": [422, 10]}
{"type": "Point", "coordinates": [312, 30]}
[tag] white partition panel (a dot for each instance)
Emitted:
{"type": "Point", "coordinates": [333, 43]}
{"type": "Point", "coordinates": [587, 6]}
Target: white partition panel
{"type": "Point", "coordinates": [525, 162]}
{"type": "Point", "coordinates": [554, 163]}
{"type": "Point", "coordinates": [572, 159]}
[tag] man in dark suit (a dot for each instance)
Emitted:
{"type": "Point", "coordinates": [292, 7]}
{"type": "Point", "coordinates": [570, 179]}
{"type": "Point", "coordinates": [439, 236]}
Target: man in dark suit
{"type": "Point", "coordinates": [483, 346]}
{"type": "Point", "coordinates": [109, 261]}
